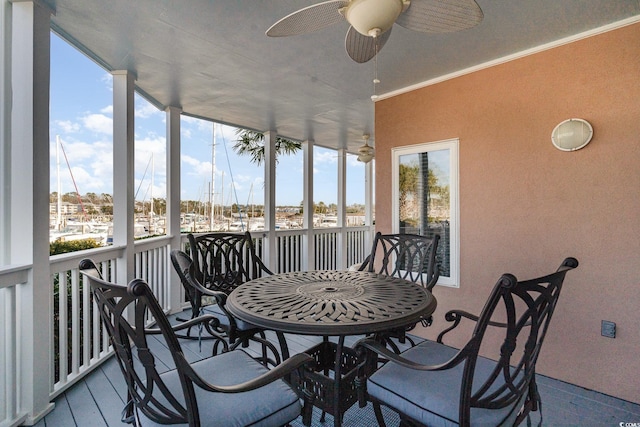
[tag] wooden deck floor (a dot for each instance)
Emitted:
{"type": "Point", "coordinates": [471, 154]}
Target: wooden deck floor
{"type": "Point", "coordinates": [98, 399]}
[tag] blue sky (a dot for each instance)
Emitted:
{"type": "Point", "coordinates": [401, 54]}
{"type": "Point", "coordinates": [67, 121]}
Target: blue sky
{"type": "Point", "coordinates": [81, 115]}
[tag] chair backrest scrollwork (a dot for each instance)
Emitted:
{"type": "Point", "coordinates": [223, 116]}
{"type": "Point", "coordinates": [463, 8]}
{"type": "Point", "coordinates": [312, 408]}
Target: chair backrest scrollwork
{"type": "Point", "coordinates": [408, 256]}
{"type": "Point", "coordinates": [224, 261]}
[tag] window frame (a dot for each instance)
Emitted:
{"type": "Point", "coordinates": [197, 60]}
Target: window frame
{"type": "Point", "coordinates": [452, 145]}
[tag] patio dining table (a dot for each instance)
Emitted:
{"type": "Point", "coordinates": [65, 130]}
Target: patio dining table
{"type": "Point", "coordinates": [331, 303]}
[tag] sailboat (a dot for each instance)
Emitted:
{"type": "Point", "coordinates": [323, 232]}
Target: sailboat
{"type": "Point", "coordinates": [66, 231]}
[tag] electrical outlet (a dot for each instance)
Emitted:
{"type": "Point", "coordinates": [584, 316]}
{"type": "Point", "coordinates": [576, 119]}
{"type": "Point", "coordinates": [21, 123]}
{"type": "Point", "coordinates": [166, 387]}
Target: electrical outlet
{"type": "Point", "coordinates": [608, 329]}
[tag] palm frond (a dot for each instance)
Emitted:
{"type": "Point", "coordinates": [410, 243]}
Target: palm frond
{"type": "Point", "coordinates": [251, 143]}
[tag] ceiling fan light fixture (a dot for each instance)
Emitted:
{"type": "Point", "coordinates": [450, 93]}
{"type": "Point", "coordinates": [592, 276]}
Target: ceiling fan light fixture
{"type": "Point", "coordinates": [373, 17]}
{"type": "Point", "coordinates": [365, 152]}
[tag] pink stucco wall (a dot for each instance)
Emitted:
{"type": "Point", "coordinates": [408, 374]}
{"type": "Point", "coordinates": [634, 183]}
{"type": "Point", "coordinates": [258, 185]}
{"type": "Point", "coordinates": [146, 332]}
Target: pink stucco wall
{"type": "Point", "coordinates": [525, 206]}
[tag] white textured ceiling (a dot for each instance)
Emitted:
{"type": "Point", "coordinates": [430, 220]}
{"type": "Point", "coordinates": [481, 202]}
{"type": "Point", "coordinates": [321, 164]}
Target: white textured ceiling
{"type": "Point", "coordinates": [212, 58]}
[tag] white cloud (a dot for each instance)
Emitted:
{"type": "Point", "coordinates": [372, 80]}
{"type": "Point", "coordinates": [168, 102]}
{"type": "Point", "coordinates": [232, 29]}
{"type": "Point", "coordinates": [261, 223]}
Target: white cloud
{"type": "Point", "coordinates": [98, 123]}
{"type": "Point", "coordinates": [352, 161]}
{"type": "Point", "coordinates": [189, 119]}
{"type": "Point", "coordinates": [150, 164]}
{"type": "Point", "coordinates": [67, 126]}
{"type": "Point", "coordinates": [196, 167]}
{"type": "Point", "coordinates": [107, 79]}
{"type": "Point", "coordinates": [146, 110]}
{"type": "Point", "coordinates": [324, 156]}
{"type": "Point", "coordinates": [87, 181]}
{"type": "Point", "coordinates": [91, 164]}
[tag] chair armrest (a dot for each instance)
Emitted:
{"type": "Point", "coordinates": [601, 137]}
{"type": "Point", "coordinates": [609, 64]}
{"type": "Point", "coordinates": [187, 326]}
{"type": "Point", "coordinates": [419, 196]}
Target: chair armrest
{"type": "Point", "coordinates": [456, 316]}
{"type": "Point", "coordinates": [207, 320]}
{"type": "Point", "coordinates": [220, 297]}
{"type": "Point", "coordinates": [354, 267]}
{"type": "Point", "coordinates": [364, 264]}
{"type": "Point", "coordinates": [432, 283]}
{"type": "Point", "coordinates": [298, 361]}
{"type": "Point", "coordinates": [371, 345]}
{"type": "Point", "coordinates": [263, 267]}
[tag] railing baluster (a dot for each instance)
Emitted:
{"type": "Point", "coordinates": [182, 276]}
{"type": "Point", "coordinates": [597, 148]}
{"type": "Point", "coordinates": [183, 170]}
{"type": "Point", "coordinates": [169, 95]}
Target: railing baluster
{"type": "Point", "coordinates": [75, 322]}
{"type": "Point", "coordinates": [86, 325]}
{"type": "Point", "coordinates": [62, 327]}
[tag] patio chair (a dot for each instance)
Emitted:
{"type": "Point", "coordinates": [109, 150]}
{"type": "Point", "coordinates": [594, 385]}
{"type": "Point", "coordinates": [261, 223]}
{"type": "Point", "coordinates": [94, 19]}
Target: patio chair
{"type": "Point", "coordinates": [214, 391]}
{"type": "Point", "coordinates": [224, 261]}
{"type": "Point", "coordinates": [434, 384]}
{"type": "Point", "coordinates": [408, 256]}
{"type": "Point", "coordinates": [206, 301]}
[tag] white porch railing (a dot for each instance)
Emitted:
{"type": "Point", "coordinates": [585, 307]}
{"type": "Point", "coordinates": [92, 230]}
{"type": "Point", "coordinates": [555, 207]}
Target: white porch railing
{"type": "Point", "coordinates": [78, 340]}
{"type": "Point", "coordinates": [12, 278]}
{"type": "Point", "coordinates": [329, 254]}
{"type": "Point", "coordinates": [358, 244]}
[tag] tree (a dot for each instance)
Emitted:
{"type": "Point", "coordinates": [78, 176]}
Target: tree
{"type": "Point", "coordinates": [92, 197]}
{"type": "Point", "coordinates": [159, 206]}
{"type": "Point", "coordinates": [106, 198]}
{"type": "Point", "coordinates": [251, 143]}
{"type": "Point", "coordinates": [71, 197]}
{"type": "Point", "coordinates": [408, 183]}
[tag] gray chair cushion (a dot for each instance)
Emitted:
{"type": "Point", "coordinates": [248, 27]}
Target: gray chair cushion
{"type": "Point", "coordinates": [275, 404]}
{"type": "Point", "coordinates": [432, 397]}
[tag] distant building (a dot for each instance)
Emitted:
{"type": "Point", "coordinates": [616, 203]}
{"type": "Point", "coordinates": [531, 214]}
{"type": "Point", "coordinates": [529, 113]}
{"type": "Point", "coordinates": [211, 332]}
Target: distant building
{"type": "Point", "coordinates": [66, 208]}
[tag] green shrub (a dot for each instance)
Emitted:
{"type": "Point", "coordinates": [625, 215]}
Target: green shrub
{"type": "Point", "coordinates": [59, 247]}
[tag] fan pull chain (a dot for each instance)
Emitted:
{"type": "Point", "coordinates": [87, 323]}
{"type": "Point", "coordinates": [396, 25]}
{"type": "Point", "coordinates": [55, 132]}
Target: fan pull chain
{"type": "Point", "coordinates": [375, 72]}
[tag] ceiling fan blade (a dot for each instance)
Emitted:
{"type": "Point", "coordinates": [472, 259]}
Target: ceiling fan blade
{"type": "Point", "coordinates": [440, 16]}
{"type": "Point", "coordinates": [309, 19]}
{"type": "Point", "coordinates": [362, 48]}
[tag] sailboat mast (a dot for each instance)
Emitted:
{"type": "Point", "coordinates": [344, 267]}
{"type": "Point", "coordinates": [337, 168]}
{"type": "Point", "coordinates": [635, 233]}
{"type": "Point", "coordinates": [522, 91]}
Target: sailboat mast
{"type": "Point", "coordinates": [84, 213]}
{"type": "Point", "coordinates": [59, 201]}
{"type": "Point", "coordinates": [151, 223]}
{"type": "Point", "coordinates": [213, 175]}
{"type": "Point", "coordinates": [222, 193]}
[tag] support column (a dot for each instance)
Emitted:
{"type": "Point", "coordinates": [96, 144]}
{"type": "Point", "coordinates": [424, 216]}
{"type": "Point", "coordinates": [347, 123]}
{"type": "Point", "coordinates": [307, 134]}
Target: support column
{"type": "Point", "coordinates": [173, 201]}
{"type": "Point", "coordinates": [29, 201]}
{"type": "Point", "coordinates": [269, 250]}
{"type": "Point", "coordinates": [5, 131]}
{"type": "Point", "coordinates": [308, 244]}
{"type": "Point", "coordinates": [341, 244]}
{"type": "Point", "coordinates": [123, 171]}
{"type": "Point", "coordinates": [369, 202]}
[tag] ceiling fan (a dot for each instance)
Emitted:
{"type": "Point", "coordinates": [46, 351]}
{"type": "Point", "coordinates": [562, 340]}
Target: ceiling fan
{"type": "Point", "coordinates": [371, 20]}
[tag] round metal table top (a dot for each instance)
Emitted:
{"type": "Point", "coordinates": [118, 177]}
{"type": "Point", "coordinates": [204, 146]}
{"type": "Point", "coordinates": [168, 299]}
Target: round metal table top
{"type": "Point", "coordinates": [330, 302]}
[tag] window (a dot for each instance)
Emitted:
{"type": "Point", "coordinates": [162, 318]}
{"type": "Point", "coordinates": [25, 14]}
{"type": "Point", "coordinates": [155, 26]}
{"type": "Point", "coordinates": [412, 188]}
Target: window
{"type": "Point", "coordinates": [355, 194]}
{"type": "Point", "coordinates": [325, 187]}
{"type": "Point", "coordinates": [81, 126]}
{"type": "Point", "coordinates": [150, 170]}
{"type": "Point", "coordinates": [425, 199]}
{"type": "Point", "coordinates": [289, 190]}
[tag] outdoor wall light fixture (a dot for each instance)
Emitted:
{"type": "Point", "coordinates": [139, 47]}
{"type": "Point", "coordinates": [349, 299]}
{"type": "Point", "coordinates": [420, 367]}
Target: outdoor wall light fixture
{"type": "Point", "coordinates": [365, 152]}
{"type": "Point", "coordinates": [572, 134]}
